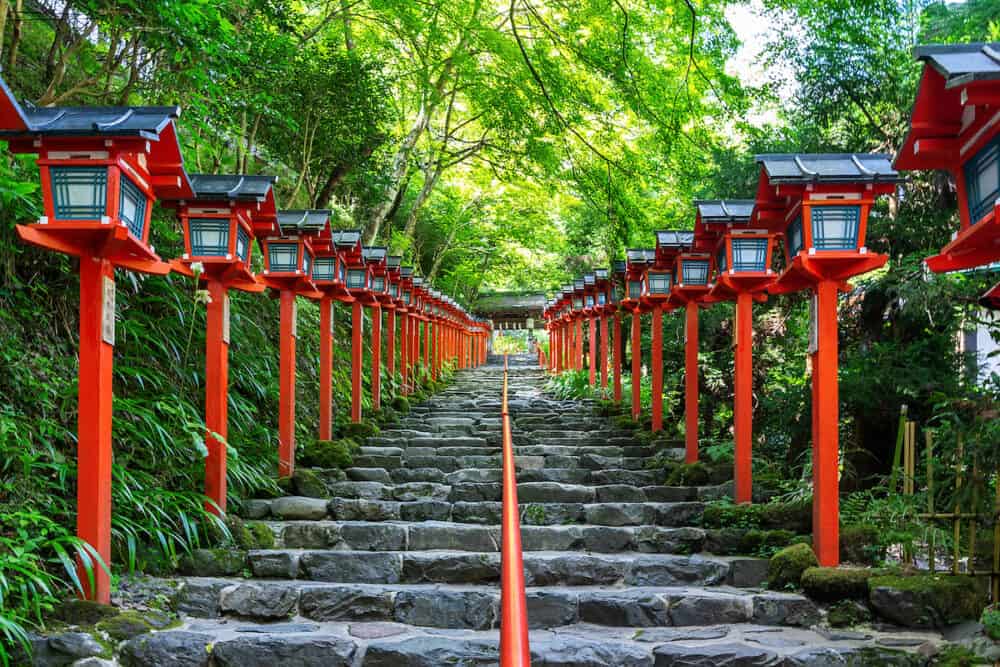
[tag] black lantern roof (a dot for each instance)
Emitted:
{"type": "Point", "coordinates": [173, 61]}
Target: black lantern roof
{"type": "Point", "coordinates": [725, 210]}
{"type": "Point", "coordinates": [418, 281]}
{"type": "Point", "coordinates": [303, 222]}
{"type": "Point", "coordinates": [374, 254]}
{"type": "Point", "coordinates": [589, 279]}
{"type": "Point", "coordinates": [640, 255]}
{"type": "Point", "coordinates": [828, 168]}
{"type": "Point", "coordinates": [601, 274]}
{"type": "Point", "coordinates": [962, 63]}
{"type": "Point", "coordinates": [393, 261]}
{"type": "Point", "coordinates": [346, 238]}
{"type": "Point", "coordinates": [223, 186]}
{"type": "Point", "coordinates": [618, 266]}
{"type": "Point", "coordinates": [406, 271]}
{"type": "Point", "coordinates": [579, 284]}
{"type": "Point", "coordinates": [672, 239]}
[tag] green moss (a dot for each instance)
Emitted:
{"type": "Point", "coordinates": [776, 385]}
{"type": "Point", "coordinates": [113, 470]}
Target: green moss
{"type": "Point", "coordinates": [933, 600]}
{"type": "Point", "coordinates": [625, 422]}
{"type": "Point", "coordinates": [830, 584]}
{"type": "Point", "coordinates": [689, 474]}
{"type": "Point", "coordinates": [360, 430]}
{"type": "Point", "coordinates": [786, 567]}
{"type": "Point", "coordinates": [861, 544]}
{"type": "Point", "coordinates": [724, 514]}
{"type": "Point", "coordinates": [285, 485]}
{"type": "Point", "coordinates": [847, 613]}
{"type": "Point", "coordinates": [213, 562]}
{"type": "Point", "coordinates": [796, 517]}
{"type": "Point", "coordinates": [83, 612]}
{"type": "Point", "coordinates": [125, 625]}
{"type": "Point", "coordinates": [991, 623]}
{"type": "Point", "coordinates": [401, 404]}
{"type": "Point", "coordinates": [329, 453]}
{"type": "Point", "coordinates": [957, 656]}
{"type": "Point", "coordinates": [263, 536]}
{"type": "Point", "coordinates": [306, 482]}
{"type": "Point", "coordinates": [535, 515]}
{"type": "Point", "coordinates": [764, 543]}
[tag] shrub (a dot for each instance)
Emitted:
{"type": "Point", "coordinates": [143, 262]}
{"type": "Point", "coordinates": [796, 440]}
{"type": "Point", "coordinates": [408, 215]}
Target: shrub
{"type": "Point", "coordinates": [786, 567]}
{"type": "Point", "coordinates": [725, 514]}
{"type": "Point", "coordinates": [329, 453]}
{"type": "Point", "coordinates": [689, 474]}
{"type": "Point", "coordinates": [401, 404]}
{"type": "Point", "coordinates": [861, 544]}
{"type": "Point", "coordinates": [991, 622]}
{"type": "Point", "coordinates": [360, 430]}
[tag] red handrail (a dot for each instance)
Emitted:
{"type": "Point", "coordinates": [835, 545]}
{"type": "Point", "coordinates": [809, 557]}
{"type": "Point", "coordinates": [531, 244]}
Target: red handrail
{"type": "Point", "coordinates": [514, 651]}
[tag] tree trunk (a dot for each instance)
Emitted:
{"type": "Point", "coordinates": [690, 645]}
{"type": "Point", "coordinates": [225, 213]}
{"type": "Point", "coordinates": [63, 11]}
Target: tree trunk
{"type": "Point", "coordinates": [400, 163]}
{"type": "Point", "coordinates": [348, 32]}
{"type": "Point", "coordinates": [17, 14]}
{"type": "Point", "coordinates": [3, 24]}
{"type": "Point", "coordinates": [430, 180]}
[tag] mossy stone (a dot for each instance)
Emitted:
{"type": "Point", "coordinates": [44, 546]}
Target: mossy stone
{"type": "Point", "coordinates": [308, 483]}
{"type": "Point", "coordinates": [829, 584]}
{"type": "Point", "coordinates": [401, 404]}
{"type": "Point", "coordinates": [213, 562]}
{"type": "Point", "coordinates": [926, 600]}
{"type": "Point", "coordinates": [847, 613]}
{"type": "Point", "coordinates": [125, 625]}
{"type": "Point", "coordinates": [786, 566]}
{"type": "Point", "coordinates": [625, 422]}
{"type": "Point", "coordinates": [83, 612]}
{"type": "Point", "coordinates": [727, 515]}
{"type": "Point", "coordinates": [689, 474]}
{"type": "Point", "coordinates": [796, 517]}
{"type": "Point", "coordinates": [861, 544]}
{"type": "Point", "coordinates": [263, 536]}
{"type": "Point", "coordinates": [328, 453]}
{"type": "Point", "coordinates": [360, 430]}
{"type": "Point", "coordinates": [756, 542]}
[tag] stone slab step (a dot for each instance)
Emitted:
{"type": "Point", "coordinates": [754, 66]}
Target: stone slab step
{"type": "Point", "coordinates": [477, 607]}
{"type": "Point", "coordinates": [437, 535]}
{"type": "Point", "coordinates": [541, 568]}
{"type": "Point", "coordinates": [390, 644]}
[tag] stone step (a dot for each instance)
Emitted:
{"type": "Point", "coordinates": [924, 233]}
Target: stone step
{"type": "Point", "coordinates": [562, 475]}
{"type": "Point", "coordinates": [392, 458]}
{"type": "Point", "coordinates": [477, 607]}
{"type": "Point", "coordinates": [675, 514]}
{"type": "Point", "coordinates": [483, 483]}
{"type": "Point", "coordinates": [391, 644]}
{"type": "Point", "coordinates": [441, 535]}
{"type": "Point", "coordinates": [541, 568]}
{"type": "Point", "coordinates": [489, 449]}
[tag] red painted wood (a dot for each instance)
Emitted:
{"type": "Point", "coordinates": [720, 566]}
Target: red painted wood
{"type": "Point", "coordinates": [404, 349]}
{"type": "Point", "coordinates": [357, 327]}
{"type": "Point", "coordinates": [617, 357]}
{"type": "Point", "coordinates": [592, 354]}
{"type": "Point", "coordinates": [390, 343]}
{"type": "Point", "coordinates": [636, 364]}
{"type": "Point", "coordinates": [604, 351]}
{"type": "Point", "coordinates": [427, 345]}
{"type": "Point", "coordinates": [216, 397]}
{"type": "Point", "coordinates": [579, 344]}
{"type": "Point", "coordinates": [376, 357]}
{"type": "Point", "coordinates": [326, 368]}
{"type": "Point", "coordinates": [94, 455]}
{"type": "Point", "coordinates": [743, 397]}
{"type": "Point", "coordinates": [691, 382]}
{"type": "Point", "coordinates": [286, 374]}
{"type": "Point", "coordinates": [826, 415]}
{"type": "Point", "coordinates": [657, 364]}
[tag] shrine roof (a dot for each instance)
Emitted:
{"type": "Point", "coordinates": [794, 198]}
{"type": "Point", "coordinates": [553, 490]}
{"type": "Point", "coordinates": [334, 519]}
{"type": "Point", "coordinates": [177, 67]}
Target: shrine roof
{"type": "Point", "coordinates": [224, 186]}
{"type": "Point", "coordinates": [962, 63]}
{"type": "Point", "coordinates": [828, 168]}
{"type": "Point", "coordinates": [725, 210]}
{"type": "Point", "coordinates": [306, 221]}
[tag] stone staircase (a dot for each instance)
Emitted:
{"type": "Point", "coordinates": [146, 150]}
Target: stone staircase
{"type": "Point", "coordinates": [401, 565]}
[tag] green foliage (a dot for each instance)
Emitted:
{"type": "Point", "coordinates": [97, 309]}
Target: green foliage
{"type": "Point", "coordinates": [829, 584]}
{"type": "Point", "coordinates": [786, 566]}
{"type": "Point", "coordinates": [941, 599]}
{"type": "Point", "coordinates": [569, 385]}
{"type": "Point", "coordinates": [689, 474]}
{"type": "Point", "coordinates": [991, 622]}
{"type": "Point", "coordinates": [328, 453]}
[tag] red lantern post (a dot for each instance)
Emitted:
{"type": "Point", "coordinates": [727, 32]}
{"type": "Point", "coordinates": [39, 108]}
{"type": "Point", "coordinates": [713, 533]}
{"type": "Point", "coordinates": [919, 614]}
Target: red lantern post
{"type": "Point", "coordinates": [637, 264]}
{"type": "Point", "coordinates": [358, 280]}
{"type": "Point", "coordinates": [821, 204]}
{"type": "Point", "coordinates": [394, 305]}
{"type": "Point", "coordinates": [376, 257]}
{"type": "Point", "coordinates": [101, 170]}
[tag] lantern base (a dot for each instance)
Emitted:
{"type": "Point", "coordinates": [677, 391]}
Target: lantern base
{"type": "Point", "coordinates": [991, 299]}
{"type": "Point", "coordinates": [88, 239]}
{"type": "Point", "coordinates": [974, 246]}
{"type": "Point", "coordinates": [233, 275]}
{"type": "Point", "coordinates": [807, 270]}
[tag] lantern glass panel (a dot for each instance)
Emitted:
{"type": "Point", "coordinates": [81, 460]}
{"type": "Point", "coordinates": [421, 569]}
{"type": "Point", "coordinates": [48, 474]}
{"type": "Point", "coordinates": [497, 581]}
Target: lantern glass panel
{"type": "Point", "coordinates": [340, 271]}
{"type": "Point", "coordinates": [634, 289]}
{"type": "Point", "coordinates": [793, 237]}
{"type": "Point", "coordinates": [750, 254]}
{"type": "Point", "coordinates": [132, 207]}
{"type": "Point", "coordinates": [982, 180]}
{"type": "Point", "coordinates": [357, 278]}
{"type": "Point", "coordinates": [209, 238]}
{"type": "Point", "coordinates": [835, 227]}
{"type": "Point", "coordinates": [695, 271]}
{"type": "Point", "coordinates": [283, 257]}
{"type": "Point", "coordinates": [394, 291]}
{"type": "Point", "coordinates": [721, 263]}
{"type": "Point", "coordinates": [659, 282]}
{"type": "Point", "coordinates": [307, 260]}
{"type": "Point", "coordinates": [590, 300]}
{"type": "Point", "coordinates": [378, 284]}
{"type": "Point", "coordinates": [407, 299]}
{"type": "Point", "coordinates": [79, 193]}
{"type": "Point", "coordinates": [602, 299]}
{"type": "Point", "coordinates": [577, 303]}
{"type": "Point", "coordinates": [323, 268]}
{"type": "Point", "coordinates": [242, 243]}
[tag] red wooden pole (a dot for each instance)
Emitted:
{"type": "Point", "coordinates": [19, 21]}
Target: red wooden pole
{"type": "Point", "coordinates": [286, 372]}
{"type": "Point", "coordinates": [326, 368]}
{"type": "Point", "coordinates": [93, 488]}
{"type": "Point", "coordinates": [216, 395]}
{"type": "Point", "coordinates": [617, 357]}
{"type": "Point", "coordinates": [743, 398]}
{"type": "Point", "coordinates": [592, 355]}
{"type": "Point", "coordinates": [579, 344]}
{"type": "Point", "coordinates": [357, 325]}
{"type": "Point", "coordinates": [427, 345]}
{"type": "Point", "coordinates": [657, 364]}
{"type": "Point", "coordinates": [691, 382]}
{"type": "Point", "coordinates": [636, 363]}
{"type": "Point", "coordinates": [404, 344]}
{"type": "Point", "coordinates": [604, 352]}
{"type": "Point", "coordinates": [826, 416]}
{"type": "Point", "coordinates": [390, 342]}
{"type": "Point", "coordinates": [376, 357]}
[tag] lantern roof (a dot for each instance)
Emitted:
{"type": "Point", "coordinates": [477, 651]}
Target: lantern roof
{"type": "Point", "coordinates": [418, 281]}
{"type": "Point", "coordinates": [579, 284]}
{"type": "Point", "coordinates": [374, 254]}
{"type": "Point", "coordinates": [346, 238]}
{"type": "Point", "coordinates": [234, 187]}
{"type": "Point", "coordinates": [601, 274]}
{"type": "Point", "coordinates": [406, 271]}
{"type": "Point", "coordinates": [303, 221]}
{"type": "Point", "coordinates": [618, 266]}
{"type": "Point", "coordinates": [393, 262]}
{"type": "Point", "coordinates": [589, 279]}
{"type": "Point", "coordinates": [724, 210]}
{"type": "Point", "coordinates": [672, 239]}
{"type": "Point", "coordinates": [962, 63]}
{"type": "Point", "coordinates": [805, 168]}
{"type": "Point", "coordinates": [640, 255]}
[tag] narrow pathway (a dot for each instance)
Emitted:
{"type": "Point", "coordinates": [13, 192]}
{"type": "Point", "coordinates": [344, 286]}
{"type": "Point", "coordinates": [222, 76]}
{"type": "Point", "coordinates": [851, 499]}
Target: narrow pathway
{"type": "Point", "coordinates": [400, 566]}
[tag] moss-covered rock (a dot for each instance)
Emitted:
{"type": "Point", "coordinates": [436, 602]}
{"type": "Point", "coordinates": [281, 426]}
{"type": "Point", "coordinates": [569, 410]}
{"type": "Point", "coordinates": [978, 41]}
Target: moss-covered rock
{"type": "Point", "coordinates": [786, 566]}
{"type": "Point", "coordinates": [306, 482]}
{"type": "Point", "coordinates": [725, 514]}
{"type": "Point", "coordinates": [401, 404]}
{"type": "Point", "coordinates": [862, 545]}
{"type": "Point", "coordinates": [756, 542]}
{"type": "Point", "coordinates": [125, 625]}
{"type": "Point", "coordinates": [329, 453]}
{"type": "Point", "coordinates": [926, 600]}
{"type": "Point", "coordinates": [83, 612]}
{"type": "Point", "coordinates": [262, 535]}
{"type": "Point", "coordinates": [213, 562]}
{"type": "Point", "coordinates": [796, 517]}
{"type": "Point", "coordinates": [360, 430]}
{"type": "Point", "coordinates": [689, 474]}
{"type": "Point", "coordinates": [847, 613]}
{"type": "Point", "coordinates": [625, 422]}
{"type": "Point", "coordinates": [829, 584]}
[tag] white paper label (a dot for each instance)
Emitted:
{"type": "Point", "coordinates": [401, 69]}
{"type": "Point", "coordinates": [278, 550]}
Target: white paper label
{"type": "Point", "coordinates": [295, 319]}
{"type": "Point", "coordinates": [225, 319]}
{"type": "Point", "coordinates": [813, 324]}
{"type": "Point", "coordinates": [108, 311]}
